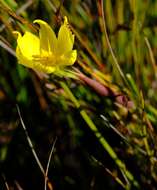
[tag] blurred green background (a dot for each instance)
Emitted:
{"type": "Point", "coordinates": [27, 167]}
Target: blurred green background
{"type": "Point", "coordinates": [79, 160]}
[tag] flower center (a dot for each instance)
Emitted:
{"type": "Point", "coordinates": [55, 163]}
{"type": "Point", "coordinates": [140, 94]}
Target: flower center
{"type": "Point", "coordinates": [47, 59]}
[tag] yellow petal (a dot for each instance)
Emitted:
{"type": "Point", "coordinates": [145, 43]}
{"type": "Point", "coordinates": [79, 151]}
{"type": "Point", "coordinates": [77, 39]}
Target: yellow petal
{"type": "Point", "coordinates": [48, 40]}
{"type": "Point", "coordinates": [68, 58]}
{"type": "Point", "coordinates": [28, 44]}
{"type": "Point", "coordinates": [22, 59]}
{"type": "Point", "coordinates": [36, 65]}
{"type": "Point", "coordinates": [65, 38]}
{"type": "Point", "coordinates": [47, 53]}
{"type": "Point", "coordinates": [25, 53]}
{"type": "Point", "coordinates": [42, 68]}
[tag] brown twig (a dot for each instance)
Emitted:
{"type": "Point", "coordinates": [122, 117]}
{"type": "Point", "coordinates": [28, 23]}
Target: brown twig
{"type": "Point", "coordinates": [17, 17]}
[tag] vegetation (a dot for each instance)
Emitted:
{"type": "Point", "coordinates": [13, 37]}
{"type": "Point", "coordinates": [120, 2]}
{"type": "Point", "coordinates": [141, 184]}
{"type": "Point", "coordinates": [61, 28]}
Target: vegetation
{"type": "Point", "coordinates": [94, 125]}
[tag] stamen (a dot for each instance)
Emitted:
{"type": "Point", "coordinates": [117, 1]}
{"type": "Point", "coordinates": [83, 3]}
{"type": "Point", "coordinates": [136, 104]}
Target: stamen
{"type": "Point", "coordinates": [46, 60]}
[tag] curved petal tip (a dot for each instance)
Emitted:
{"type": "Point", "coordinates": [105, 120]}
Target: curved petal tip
{"type": "Point", "coordinates": [16, 33]}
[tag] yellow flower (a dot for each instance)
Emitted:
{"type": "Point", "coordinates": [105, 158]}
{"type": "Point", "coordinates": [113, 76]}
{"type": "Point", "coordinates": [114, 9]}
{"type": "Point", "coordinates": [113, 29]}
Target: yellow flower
{"type": "Point", "coordinates": [46, 53]}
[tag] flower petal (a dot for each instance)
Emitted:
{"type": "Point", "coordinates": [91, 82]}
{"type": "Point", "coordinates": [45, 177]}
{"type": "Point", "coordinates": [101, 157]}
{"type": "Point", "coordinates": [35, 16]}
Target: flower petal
{"type": "Point", "coordinates": [65, 38]}
{"type": "Point", "coordinates": [26, 58]}
{"type": "Point", "coordinates": [28, 44]}
{"type": "Point", "coordinates": [48, 40]}
{"type": "Point", "coordinates": [36, 65]}
{"type": "Point", "coordinates": [47, 53]}
{"type": "Point", "coordinates": [22, 59]}
{"type": "Point", "coordinates": [42, 68]}
{"type": "Point", "coordinates": [68, 58]}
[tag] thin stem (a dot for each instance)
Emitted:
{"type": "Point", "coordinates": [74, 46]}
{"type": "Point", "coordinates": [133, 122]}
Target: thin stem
{"type": "Point", "coordinates": [48, 164]}
{"type": "Point", "coordinates": [7, 48]}
{"type": "Point", "coordinates": [34, 153]}
{"type": "Point", "coordinates": [115, 62]}
{"type": "Point", "coordinates": [118, 180]}
{"type": "Point", "coordinates": [5, 182]}
{"type": "Point", "coordinates": [30, 142]}
{"type": "Point", "coordinates": [18, 185]}
{"type": "Point", "coordinates": [101, 139]}
{"type": "Point", "coordinates": [152, 59]}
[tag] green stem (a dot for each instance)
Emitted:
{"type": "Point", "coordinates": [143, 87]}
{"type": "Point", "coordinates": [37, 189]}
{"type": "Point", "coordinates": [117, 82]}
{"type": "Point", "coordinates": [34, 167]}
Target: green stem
{"type": "Point", "coordinates": [101, 139]}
